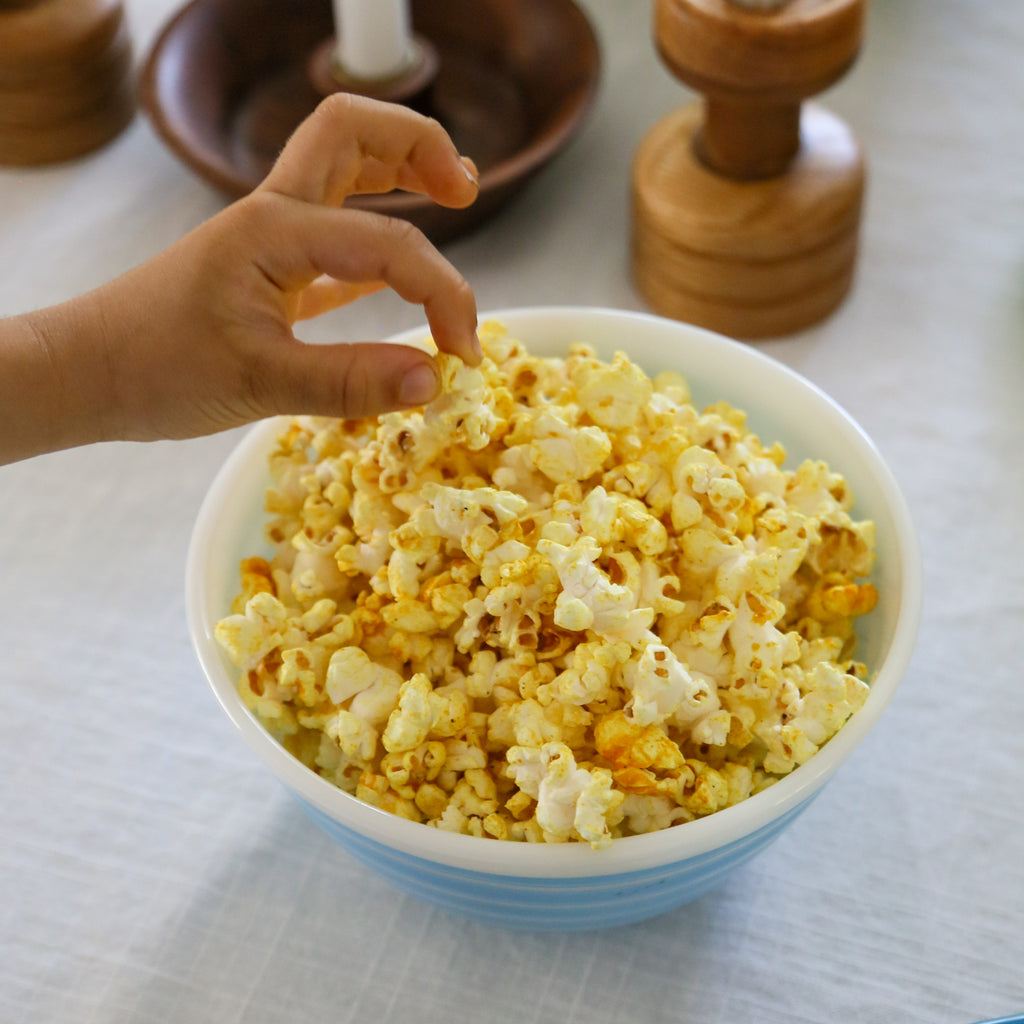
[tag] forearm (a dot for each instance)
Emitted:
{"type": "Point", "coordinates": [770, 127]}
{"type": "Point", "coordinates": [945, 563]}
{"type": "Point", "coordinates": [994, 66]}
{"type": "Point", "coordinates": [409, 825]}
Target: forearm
{"type": "Point", "coordinates": [54, 380]}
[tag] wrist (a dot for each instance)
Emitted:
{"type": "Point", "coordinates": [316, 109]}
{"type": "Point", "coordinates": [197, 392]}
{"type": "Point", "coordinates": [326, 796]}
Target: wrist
{"type": "Point", "coordinates": [55, 381]}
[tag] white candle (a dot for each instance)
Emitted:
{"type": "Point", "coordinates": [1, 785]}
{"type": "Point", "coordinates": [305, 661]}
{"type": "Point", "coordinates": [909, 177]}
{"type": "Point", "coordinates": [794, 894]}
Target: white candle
{"type": "Point", "coordinates": [374, 37]}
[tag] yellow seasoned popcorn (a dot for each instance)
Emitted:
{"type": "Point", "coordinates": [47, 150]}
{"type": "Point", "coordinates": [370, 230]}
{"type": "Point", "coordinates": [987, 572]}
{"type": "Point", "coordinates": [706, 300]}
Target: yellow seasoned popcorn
{"type": "Point", "coordinates": [558, 604]}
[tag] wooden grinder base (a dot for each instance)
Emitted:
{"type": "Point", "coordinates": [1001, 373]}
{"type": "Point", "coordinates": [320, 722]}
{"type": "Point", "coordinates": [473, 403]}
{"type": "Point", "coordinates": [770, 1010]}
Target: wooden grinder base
{"type": "Point", "coordinates": [65, 78]}
{"type": "Point", "coordinates": [746, 206]}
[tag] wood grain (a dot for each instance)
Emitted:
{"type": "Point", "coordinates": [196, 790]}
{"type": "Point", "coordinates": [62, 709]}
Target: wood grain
{"type": "Point", "coordinates": [228, 81]}
{"type": "Point", "coordinates": [746, 207]}
{"type": "Point", "coordinates": [65, 78]}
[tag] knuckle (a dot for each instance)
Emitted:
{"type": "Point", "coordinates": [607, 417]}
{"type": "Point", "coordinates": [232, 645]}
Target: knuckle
{"type": "Point", "coordinates": [462, 290]}
{"type": "Point", "coordinates": [405, 235]}
{"type": "Point", "coordinates": [260, 385]}
{"type": "Point", "coordinates": [336, 106]}
{"type": "Point", "coordinates": [359, 389]}
{"type": "Point", "coordinates": [431, 124]}
{"type": "Point", "coordinates": [257, 208]}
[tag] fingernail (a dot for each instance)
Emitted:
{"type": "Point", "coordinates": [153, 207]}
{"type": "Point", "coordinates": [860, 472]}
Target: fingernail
{"type": "Point", "coordinates": [419, 385]}
{"type": "Point", "coordinates": [469, 169]}
{"type": "Point", "coordinates": [475, 346]}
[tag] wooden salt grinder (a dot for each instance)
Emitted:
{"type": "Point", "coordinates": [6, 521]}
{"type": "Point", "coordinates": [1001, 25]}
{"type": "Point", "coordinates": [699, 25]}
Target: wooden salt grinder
{"type": "Point", "coordinates": [746, 207]}
{"type": "Point", "coordinates": [65, 78]}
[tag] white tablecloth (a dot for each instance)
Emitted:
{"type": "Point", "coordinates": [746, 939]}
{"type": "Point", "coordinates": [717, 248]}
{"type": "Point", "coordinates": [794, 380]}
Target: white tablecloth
{"type": "Point", "coordinates": [153, 871]}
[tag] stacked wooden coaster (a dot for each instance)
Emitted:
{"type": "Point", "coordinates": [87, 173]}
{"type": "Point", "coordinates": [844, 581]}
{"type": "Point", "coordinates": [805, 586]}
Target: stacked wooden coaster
{"type": "Point", "coordinates": [65, 78]}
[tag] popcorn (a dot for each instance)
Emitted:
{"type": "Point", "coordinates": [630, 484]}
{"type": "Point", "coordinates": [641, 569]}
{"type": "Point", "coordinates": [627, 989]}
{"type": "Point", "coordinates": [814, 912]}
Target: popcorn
{"type": "Point", "coordinates": [250, 636]}
{"type": "Point", "coordinates": [558, 604]}
{"type": "Point", "coordinates": [564, 451]}
{"type": "Point", "coordinates": [611, 395]}
{"type": "Point", "coordinates": [410, 723]}
{"type": "Point", "coordinates": [660, 686]}
{"type": "Point", "coordinates": [572, 802]}
{"type": "Point", "coordinates": [350, 671]}
{"type": "Point", "coordinates": [589, 599]}
{"type": "Point", "coordinates": [589, 677]}
{"type": "Point", "coordinates": [625, 743]}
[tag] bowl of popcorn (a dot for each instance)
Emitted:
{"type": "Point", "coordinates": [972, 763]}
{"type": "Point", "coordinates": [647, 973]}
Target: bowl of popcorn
{"type": "Point", "coordinates": [563, 648]}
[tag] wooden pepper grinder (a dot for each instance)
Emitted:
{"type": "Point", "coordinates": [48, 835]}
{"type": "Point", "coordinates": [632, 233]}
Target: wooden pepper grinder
{"type": "Point", "coordinates": [65, 78]}
{"type": "Point", "coordinates": [746, 206]}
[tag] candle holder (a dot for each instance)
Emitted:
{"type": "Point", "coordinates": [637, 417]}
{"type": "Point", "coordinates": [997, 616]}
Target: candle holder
{"type": "Point", "coordinates": [228, 81]}
{"type": "Point", "coordinates": [413, 86]}
{"type": "Point", "coordinates": [746, 206]}
{"type": "Point", "coordinates": [65, 78]}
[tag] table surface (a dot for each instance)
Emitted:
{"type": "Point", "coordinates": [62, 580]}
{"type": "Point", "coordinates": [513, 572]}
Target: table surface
{"type": "Point", "coordinates": [153, 871]}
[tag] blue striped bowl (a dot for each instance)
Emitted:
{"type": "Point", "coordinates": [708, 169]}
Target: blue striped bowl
{"type": "Point", "coordinates": [568, 887]}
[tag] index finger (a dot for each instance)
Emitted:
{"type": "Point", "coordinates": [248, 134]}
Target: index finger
{"type": "Point", "coordinates": [351, 144]}
{"type": "Point", "coordinates": [361, 248]}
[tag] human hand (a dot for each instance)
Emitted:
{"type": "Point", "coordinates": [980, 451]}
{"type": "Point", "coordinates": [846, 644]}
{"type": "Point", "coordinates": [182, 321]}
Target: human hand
{"type": "Point", "coordinates": [200, 338]}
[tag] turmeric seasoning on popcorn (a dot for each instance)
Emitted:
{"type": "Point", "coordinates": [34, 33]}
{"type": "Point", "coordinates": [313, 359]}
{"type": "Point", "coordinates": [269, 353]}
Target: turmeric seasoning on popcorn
{"type": "Point", "coordinates": [558, 604]}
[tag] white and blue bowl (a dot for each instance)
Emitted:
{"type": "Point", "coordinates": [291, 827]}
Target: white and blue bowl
{"type": "Point", "coordinates": [568, 887]}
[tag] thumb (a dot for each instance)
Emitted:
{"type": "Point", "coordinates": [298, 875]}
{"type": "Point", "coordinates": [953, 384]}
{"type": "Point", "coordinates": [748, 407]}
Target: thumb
{"type": "Point", "coordinates": [349, 381]}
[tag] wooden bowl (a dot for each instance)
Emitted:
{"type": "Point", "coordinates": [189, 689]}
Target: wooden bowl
{"type": "Point", "coordinates": [228, 81]}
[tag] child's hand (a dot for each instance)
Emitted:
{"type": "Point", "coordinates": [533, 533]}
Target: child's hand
{"type": "Point", "coordinates": [200, 338]}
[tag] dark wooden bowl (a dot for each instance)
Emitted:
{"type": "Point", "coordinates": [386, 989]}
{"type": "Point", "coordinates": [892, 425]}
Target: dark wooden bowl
{"type": "Point", "coordinates": [228, 81]}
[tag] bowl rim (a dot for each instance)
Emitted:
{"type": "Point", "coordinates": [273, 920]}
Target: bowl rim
{"type": "Point", "coordinates": [628, 854]}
